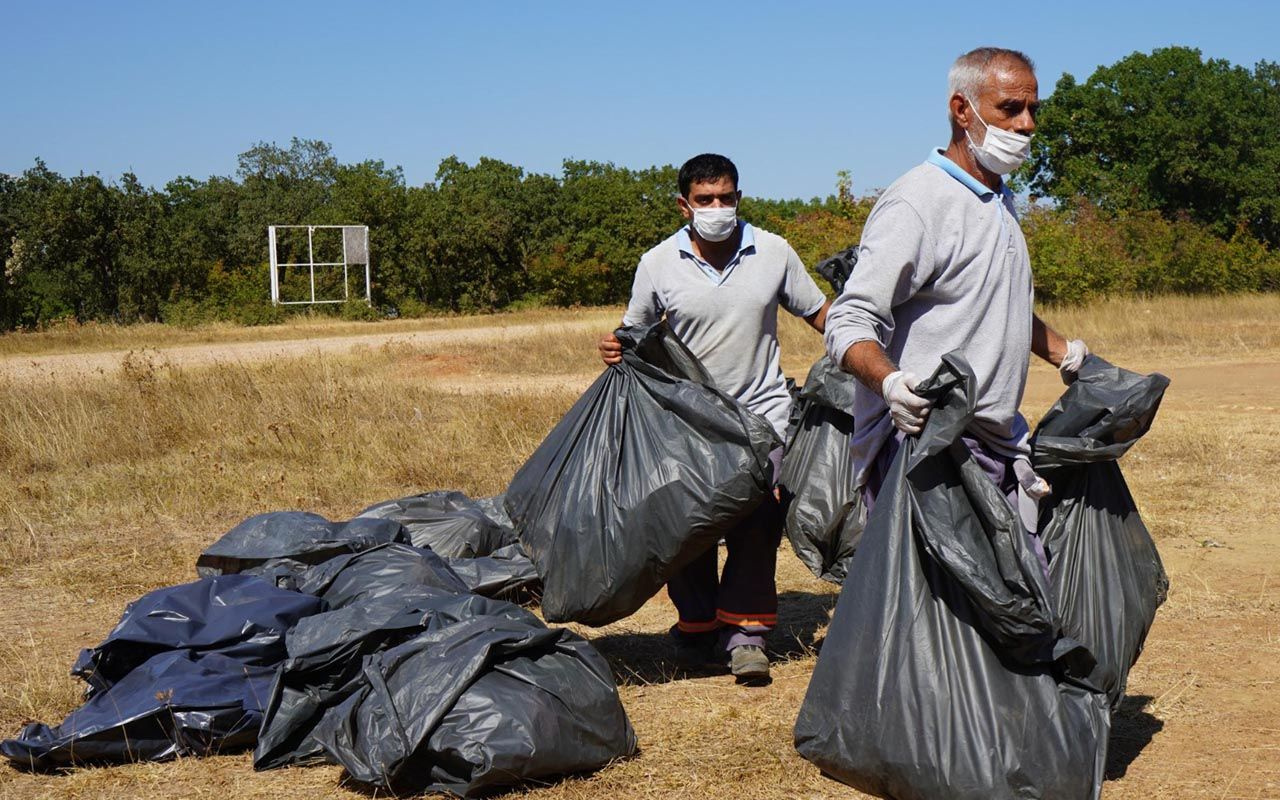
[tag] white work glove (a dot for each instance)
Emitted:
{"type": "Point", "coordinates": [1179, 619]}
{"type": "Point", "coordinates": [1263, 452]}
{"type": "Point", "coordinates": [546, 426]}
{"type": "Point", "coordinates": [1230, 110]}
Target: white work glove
{"type": "Point", "coordinates": [1036, 487]}
{"type": "Point", "coordinates": [907, 408]}
{"type": "Point", "coordinates": [1031, 490]}
{"type": "Point", "coordinates": [1076, 353]}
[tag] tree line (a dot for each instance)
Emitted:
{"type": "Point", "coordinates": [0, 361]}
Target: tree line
{"type": "Point", "coordinates": [1162, 171]}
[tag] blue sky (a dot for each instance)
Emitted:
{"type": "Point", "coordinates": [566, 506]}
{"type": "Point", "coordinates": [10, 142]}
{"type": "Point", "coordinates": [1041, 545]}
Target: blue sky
{"type": "Point", "coordinates": [792, 92]}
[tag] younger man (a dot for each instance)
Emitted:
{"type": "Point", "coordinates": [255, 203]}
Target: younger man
{"type": "Point", "coordinates": [719, 282]}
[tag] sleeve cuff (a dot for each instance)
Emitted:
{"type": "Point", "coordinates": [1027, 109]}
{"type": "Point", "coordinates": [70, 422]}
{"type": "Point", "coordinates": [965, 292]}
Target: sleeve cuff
{"type": "Point", "coordinates": [815, 309]}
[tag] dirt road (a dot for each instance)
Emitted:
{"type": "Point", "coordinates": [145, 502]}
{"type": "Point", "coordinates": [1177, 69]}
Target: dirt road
{"type": "Point", "coordinates": [73, 365]}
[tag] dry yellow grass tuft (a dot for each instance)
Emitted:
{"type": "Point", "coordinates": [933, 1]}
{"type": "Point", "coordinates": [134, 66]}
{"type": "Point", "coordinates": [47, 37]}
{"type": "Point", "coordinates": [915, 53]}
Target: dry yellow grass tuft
{"type": "Point", "coordinates": [111, 484]}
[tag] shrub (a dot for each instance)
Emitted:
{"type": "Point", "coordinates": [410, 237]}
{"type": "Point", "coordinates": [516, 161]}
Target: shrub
{"type": "Point", "coordinates": [357, 310]}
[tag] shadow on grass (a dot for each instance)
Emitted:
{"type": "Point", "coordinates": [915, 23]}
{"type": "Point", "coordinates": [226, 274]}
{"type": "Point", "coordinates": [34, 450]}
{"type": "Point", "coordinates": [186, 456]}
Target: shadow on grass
{"type": "Point", "coordinates": [649, 658]}
{"type": "Point", "coordinates": [1132, 729]}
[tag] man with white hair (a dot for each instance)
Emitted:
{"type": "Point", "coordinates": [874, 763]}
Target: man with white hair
{"type": "Point", "coordinates": [943, 266]}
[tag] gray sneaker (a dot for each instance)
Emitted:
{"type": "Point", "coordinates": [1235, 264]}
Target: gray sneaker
{"type": "Point", "coordinates": [748, 663]}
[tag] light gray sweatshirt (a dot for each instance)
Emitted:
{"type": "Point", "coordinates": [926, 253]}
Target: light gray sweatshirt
{"type": "Point", "coordinates": [942, 266]}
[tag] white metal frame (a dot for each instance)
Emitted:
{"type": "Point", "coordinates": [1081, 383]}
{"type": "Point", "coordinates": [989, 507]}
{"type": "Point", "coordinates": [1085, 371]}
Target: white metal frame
{"type": "Point", "coordinates": [311, 265]}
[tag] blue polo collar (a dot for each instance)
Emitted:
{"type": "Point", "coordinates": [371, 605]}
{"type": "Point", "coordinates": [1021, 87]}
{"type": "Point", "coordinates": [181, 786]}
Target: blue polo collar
{"type": "Point", "coordinates": [953, 169]}
{"type": "Point", "coordinates": [747, 243]}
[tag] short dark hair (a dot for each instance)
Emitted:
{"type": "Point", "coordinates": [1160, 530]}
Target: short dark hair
{"type": "Point", "coordinates": [705, 168]}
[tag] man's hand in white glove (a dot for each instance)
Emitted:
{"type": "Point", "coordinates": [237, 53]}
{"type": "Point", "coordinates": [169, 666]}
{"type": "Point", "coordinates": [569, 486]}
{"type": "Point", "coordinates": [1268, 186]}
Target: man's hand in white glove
{"type": "Point", "coordinates": [1035, 486]}
{"type": "Point", "coordinates": [907, 408]}
{"type": "Point", "coordinates": [1076, 354]}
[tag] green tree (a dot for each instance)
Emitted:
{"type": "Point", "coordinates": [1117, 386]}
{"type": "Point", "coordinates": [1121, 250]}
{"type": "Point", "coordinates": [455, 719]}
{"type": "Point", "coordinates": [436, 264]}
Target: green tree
{"type": "Point", "coordinates": [63, 249]}
{"type": "Point", "coordinates": [370, 193]}
{"type": "Point", "coordinates": [605, 218]}
{"type": "Point", "coordinates": [9, 197]}
{"type": "Point", "coordinates": [473, 232]}
{"type": "Point", "coordinates": [279, 186]}
{"type": "Point", "coordinates": [1167, 131]}
{"type": "Point", "coordinates": [145, 261]}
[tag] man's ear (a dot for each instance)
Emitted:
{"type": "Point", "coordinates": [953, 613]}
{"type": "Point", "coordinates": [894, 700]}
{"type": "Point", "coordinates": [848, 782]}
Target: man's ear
{"type": "Point", "coordinates": [960, 109]}
{"type": "Point", "coordinates": [685, 210]}
{"type": "Point", "coordinates": [738, 202]}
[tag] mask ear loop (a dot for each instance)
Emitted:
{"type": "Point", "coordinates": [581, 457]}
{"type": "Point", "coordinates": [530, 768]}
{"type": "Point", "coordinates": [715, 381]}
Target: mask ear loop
{"type": "Point", "coordinates": [985, 127]}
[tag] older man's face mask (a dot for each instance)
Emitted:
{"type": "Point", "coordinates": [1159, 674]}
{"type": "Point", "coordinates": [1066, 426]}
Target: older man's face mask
{"type": "Point", "coordinates": [1001, 151]}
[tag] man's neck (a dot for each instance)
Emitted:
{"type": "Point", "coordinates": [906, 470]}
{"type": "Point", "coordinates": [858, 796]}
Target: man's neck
{"type": "Point", "coordinates": [717, 254]}
{"type": "Point", "coordinates": [958, 151]}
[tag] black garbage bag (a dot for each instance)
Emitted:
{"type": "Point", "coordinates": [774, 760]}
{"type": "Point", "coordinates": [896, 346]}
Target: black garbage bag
{"type": "Point", "coordinates": [299, 536]}
{"type": "Point", "coordinates": [824, 509]}
{"type": "Point", "coordinates": [495, 509]}
{"type": "Point", "coordinates": [1106, 573]}
{"type": "Point", "coordinates": [284, 573]}
{"type": "Point", "coordinates": [176, 703]}
{"type": "Point", "coordinates": [185, 672]}
{"type": "Point", "coordinates": [325, 652]}
{"type": "Point", "coordinates": [457, 693]}
{"type": "Point", "coordinates": [382, 570]}
{"type": "Point", "coordinates": [485, 697]}
{"type": "Point", "coordinates": [450, 523]}
{"type": "Point", "coordinates": [837, 268]}
{"type": "Point", "coordinates": [506, 573]}
{"type": "Point", "coordinates": [944, 672]}
{"type": "Point", "coordinates": [649, 468]}
{"type": "Point", "coordinates": [239, 616]}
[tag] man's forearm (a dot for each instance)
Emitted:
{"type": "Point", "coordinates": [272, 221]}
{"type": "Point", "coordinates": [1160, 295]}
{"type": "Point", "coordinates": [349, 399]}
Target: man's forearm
{"type": "Point", "coordinates": [867, 361]}
{"type": "Point", "coordinates": [818, 320]}
{"type": "Point", "coordinates": [1046, 342]}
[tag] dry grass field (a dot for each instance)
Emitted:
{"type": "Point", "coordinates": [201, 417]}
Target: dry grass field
{"type": "Point", "coordinates": [124, 452]}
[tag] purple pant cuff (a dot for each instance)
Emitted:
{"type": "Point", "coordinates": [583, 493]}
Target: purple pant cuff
{"type": "Point", "coordinates": [737, 637]}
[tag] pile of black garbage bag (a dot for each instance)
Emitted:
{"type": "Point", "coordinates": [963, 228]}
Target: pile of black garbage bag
{"type": "Point", "coordinates": [341, 643]}
{"type": "Point", "coordinates": [953, 666]}
{"type": "Point", "coordinates": [388, 643]}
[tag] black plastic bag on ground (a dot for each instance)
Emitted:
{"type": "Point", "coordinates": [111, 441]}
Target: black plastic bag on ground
{"type": "Point", "coordinates": [383, 570]}
{"type": "Point", "coordinates": [325, 652]}
{"type": "Point", "coordinates": [450, 523]}
{"type": "Point", "coordinates": [186, 672]}
{"type": "Point", "coordinates": [173, 704]}
{"type": "Point", "coordinates": [299, 536]}
{"type": "Point", "coordinates": [239, 616]}
{"type": "Point", "coordinates": [649, 468]}
{"type": "Point", "coordinates": [1106, 573]}
{"type": "Point", "coordinates": [505, 573]}
{"type": "Point", "coordinates": [480, 697]}
{"type": "Point", "coordinates": [943, 673]}
{"type": "Point", "coordinates": [824, 509]}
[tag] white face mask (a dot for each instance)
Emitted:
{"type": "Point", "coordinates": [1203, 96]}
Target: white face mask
{"type": "Point", "coordinates": [715, 224]}
{"type": "Point", "coordinates": [1001, 151]}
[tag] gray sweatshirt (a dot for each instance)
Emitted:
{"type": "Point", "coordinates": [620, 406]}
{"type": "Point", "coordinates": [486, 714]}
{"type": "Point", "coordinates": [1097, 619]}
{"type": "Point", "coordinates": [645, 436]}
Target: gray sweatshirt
{"type": "Point", "coordinates": [942, 266]}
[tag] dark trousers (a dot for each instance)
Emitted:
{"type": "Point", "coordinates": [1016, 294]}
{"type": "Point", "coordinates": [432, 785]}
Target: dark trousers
{"type": "Point", "coordinates": [741, 604]}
